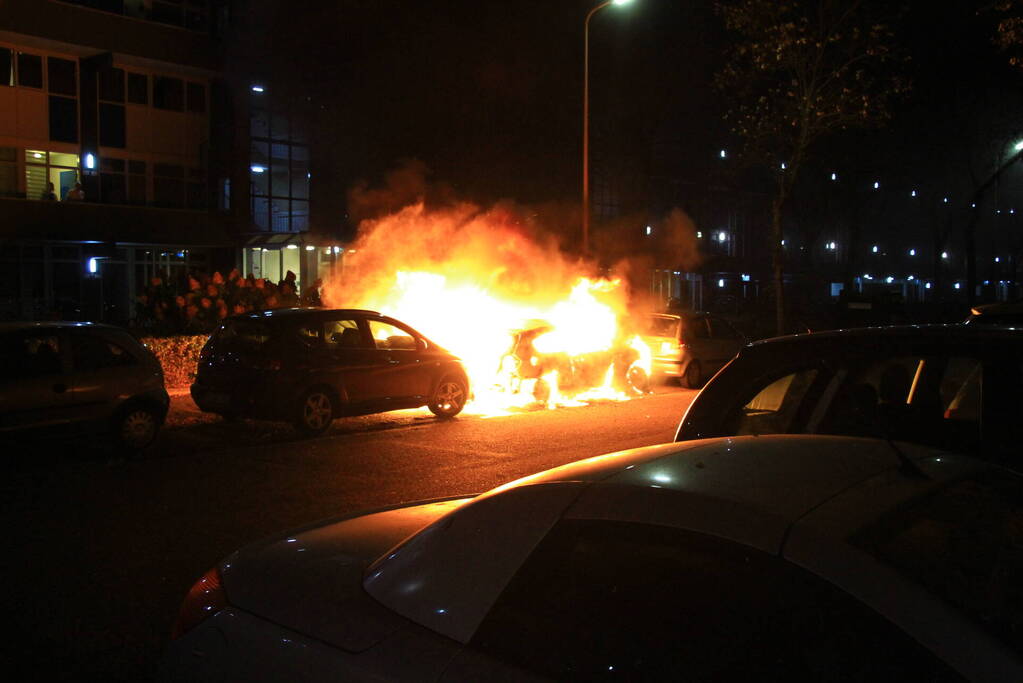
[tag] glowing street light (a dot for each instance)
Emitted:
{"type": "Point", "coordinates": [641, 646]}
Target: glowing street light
{"type": "Point", "coordinates": [586, 118]}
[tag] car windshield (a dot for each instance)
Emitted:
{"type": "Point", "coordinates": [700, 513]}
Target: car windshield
{"type": "Point", "coordinates": [662, 327]}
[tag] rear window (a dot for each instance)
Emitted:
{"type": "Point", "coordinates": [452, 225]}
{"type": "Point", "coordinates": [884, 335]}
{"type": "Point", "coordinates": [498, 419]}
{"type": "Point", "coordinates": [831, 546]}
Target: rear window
{"type": "Point", "coordinates": [249, 335]}
{"type": "Point", "coordinates": [662, 327]}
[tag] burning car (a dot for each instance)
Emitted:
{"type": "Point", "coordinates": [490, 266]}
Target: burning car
{"type": "Point", "coordinates": [536, 364]}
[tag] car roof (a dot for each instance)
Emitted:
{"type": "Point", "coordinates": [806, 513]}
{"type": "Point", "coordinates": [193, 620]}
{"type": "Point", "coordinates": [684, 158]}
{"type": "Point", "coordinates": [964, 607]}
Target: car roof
{"type": "Point", "coordinates": [17, 326]}
{"type": "Point", "coordinates": [299, 312]}
{"type": "Point", "coordinates": [683, 314]}
{"type": "Point", "coordinates": [937, 333]}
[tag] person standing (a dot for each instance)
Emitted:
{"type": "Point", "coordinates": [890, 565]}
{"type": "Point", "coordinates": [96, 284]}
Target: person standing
{"type": "Point", "coordinates": [75, 194]}
{"type": "Point", "coordinates": [49, 193]}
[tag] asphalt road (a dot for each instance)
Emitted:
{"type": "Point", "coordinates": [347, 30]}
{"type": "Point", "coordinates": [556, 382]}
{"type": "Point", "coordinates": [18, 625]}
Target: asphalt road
{"type": "Point", "coordinates": [100, 552]}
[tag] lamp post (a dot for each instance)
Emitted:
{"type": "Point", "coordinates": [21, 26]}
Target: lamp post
{"type": "Point", "coordinates": [586, 118]}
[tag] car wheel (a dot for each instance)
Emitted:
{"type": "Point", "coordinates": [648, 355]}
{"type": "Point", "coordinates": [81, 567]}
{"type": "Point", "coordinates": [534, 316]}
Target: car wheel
{"type": "Point", "coordinates": [135, 428]}
{"type": "Point", "coordinates": [315, 412]}
{"type": "Point", "coordinates": [694, 375]}
{"type": "Point", "coordinates": [638, 379]}
{"type": "Point", "coordinates": [449, 397]}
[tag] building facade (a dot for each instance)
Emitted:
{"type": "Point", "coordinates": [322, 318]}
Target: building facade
{"type": "Point", "coordinates": [127, 153]}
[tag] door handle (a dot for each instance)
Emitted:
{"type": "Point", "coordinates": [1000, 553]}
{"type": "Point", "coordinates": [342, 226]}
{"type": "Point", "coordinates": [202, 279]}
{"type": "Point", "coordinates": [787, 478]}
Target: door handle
{"type": "Point", "coordinates": [59, 388]}
{"type": "Point", "coordinates": [392, 361]}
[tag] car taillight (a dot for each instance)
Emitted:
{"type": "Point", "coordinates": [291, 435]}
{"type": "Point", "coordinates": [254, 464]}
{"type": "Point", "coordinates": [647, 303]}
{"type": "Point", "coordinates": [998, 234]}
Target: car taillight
{"type": "Point", "coordinates": [205, 598]}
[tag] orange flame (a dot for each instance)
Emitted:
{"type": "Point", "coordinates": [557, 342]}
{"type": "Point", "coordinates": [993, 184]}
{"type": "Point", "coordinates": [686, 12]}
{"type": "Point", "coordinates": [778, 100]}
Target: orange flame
{"type": "Point", "coordinates": [531, 326]}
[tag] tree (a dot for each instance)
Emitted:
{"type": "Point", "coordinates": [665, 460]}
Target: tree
{"type": "Point", "coordinates": [798, 71]}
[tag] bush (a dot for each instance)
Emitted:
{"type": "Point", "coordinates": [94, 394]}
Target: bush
{"type": "Point", "coordinates": [179, 357]}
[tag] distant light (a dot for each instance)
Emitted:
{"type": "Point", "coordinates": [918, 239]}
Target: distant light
{"type": "Point", "coordinates": [721, 283]}
{"type": "Point", "coordinates": [987, 282]}
{"type": "Point", "coordinates": [783, 165]}
{"type": "Point", "coordinates": [834, 176]}
{"type": "Point", "coordinates": [957, 285]}
{"type": "Point", "coordinates": [927, 286]}
{"type": "Point", "coordinates": [308, 176]}
{"type": "Point", "coordinates": [722, 236]}
{"type": "Point", "coordinates": [831, 246]}
{"type": "Point", "coordinates": [257, 169]}
{"type": "Point", "coordinates": [1018, 146]}
{"type": "Point", "coordinates": [257, 88]}
{"type": "Point", "coordinates": [699, 234]}
{"type": "Point", "coordinates": [877, 185]}
{"type": "Point", "coordinates": [889, 279]}
{"type": "Point", "coordinates": [973, 206]}
{"type": "Point", "coordinates": [310, 247]}
{"type": "Point", "coordinates": [620, 2]}
{"type": "Point", "coordinates": [913, 193]}
{"type": "Point", "coordinates": [868, 276]}
{"type": "Point", "coordinates": [745, 277]}
{"type": "Point", "coordinates": [910, 277]}
{"type": "Point", "coordinates": [945, 200]}
{"type": "Point", "coordinates": [93, 265]}
{"type": "Point", "coordinates": [944, 254]}
{"type": "Point", "coordinates": [874, 248]}
{"type": "Point", "coordinates": [292, 246]}
{"type": "Point", "coordinates": [90, 161]}
{"type": "Point", "coordinates": [37, 155]}
{"type": "Point", "coordinates": [998, 260]}
{"type": "Point", "coordinates": [912, 252]}
{"type": "Point", "coordinates": [649, 230]}
{"type": "Point", "coordinates": [336, 250]}
{"type": "Point", "coordinates": [723, 154]}
{"type": "Point", "coordinates": [783, 243]}
{"type": "Point", "coordinates": [181, 254]}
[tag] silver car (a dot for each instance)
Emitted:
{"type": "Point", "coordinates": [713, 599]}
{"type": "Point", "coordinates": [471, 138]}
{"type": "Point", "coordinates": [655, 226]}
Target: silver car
{"type": "Point", "coordinates": [749, 558]}
{"type": "Point", "coordinates": [691, 346]}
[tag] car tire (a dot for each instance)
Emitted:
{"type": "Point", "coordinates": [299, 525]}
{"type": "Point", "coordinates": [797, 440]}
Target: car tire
{"type": "Point", "coordinates": [638, 379]}
{"type": "Point", "coordinates": [694, 375]}
{"type": "Point", "coordinates": [315, 411]}
{"type": "Point", "coordinates": [135, 428]}
{"type": "Point", "coordinates": [449, 397]}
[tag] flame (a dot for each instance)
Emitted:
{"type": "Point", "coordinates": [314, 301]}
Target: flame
{"type": "Point", "coordinates": [533, 328]}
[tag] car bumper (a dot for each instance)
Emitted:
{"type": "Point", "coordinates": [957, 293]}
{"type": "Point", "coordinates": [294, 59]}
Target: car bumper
{"type": "Point", "coordinates": [667, 367]}
{"type": "Point", "coordinates": [263, 401]}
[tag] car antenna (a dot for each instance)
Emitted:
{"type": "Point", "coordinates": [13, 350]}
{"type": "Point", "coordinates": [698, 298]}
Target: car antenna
{"type": "Point", "coordinates": [909, 466]}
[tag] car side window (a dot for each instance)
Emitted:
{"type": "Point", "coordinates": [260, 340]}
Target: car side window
{"type": "Point", "coordinates": [24, 356]}
{"type": "Point", "coordinates": [342, 334]}
{"type": "Point", "coordinates": [964, 543]}
{"type": "Point", "coordinates": [607, 600]}
{"type": "Point", "coordinates": [696, 328]}
{"type": "Point", "coordinates": [773, 409]}
{"type": "Point", "coordinates": [719, 329]}
{"type": "Point", "coordinates": [391, 337]}
{"type": "Point", "coordinates": [90, 352]}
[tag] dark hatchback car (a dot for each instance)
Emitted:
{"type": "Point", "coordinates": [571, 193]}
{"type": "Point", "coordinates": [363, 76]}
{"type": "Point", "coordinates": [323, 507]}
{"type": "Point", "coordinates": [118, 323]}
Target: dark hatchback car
{"type": "Point", "coordinates": [956, 387]}
{"type": "Point", "coordinates": [310, 365]}
{"type": "Point", "coordinates": [63, 378]}
{"type": "Point", "coordinates": [690, 346]}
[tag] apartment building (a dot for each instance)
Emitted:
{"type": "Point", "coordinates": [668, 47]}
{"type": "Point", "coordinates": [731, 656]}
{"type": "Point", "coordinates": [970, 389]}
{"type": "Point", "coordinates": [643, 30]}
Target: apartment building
{"type": "Point", "coordinates": [127, 153]}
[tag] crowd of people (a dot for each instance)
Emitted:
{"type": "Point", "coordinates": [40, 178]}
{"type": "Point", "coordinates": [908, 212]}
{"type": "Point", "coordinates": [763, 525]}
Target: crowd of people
{"type": "Point", "coordinates": [198, 302]}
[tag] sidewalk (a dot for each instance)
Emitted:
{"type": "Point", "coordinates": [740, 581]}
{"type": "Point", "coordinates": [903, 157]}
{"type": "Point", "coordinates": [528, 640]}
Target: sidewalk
{"type": "Point", "coordinates": [183, 411]}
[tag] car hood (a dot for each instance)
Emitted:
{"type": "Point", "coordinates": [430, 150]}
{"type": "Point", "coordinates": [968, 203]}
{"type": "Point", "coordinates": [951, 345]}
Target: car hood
{"type": "Point", "coordinates": [310, 580]}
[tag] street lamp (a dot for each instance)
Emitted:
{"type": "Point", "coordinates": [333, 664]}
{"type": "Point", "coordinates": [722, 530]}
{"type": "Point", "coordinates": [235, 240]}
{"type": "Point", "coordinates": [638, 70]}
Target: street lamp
{"type": "Point", "coordinates": [586, 118]}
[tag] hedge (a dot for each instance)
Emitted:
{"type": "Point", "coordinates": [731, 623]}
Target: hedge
{"type": "Point", "coordinates": [179, 357]}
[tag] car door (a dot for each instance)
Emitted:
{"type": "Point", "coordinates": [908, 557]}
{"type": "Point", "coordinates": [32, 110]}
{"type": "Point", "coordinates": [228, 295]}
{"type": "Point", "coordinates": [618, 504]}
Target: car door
{"type": "Point", "coordinates": [403, 376]}
{"type": "Point", "coordinates": [35, 388]}
{"type": "Point", "coordinates": [696, 336]}
{"type": "Point", "coordinates": [103, 374]}
{"type": "Point", "coordinates": [351, 356]}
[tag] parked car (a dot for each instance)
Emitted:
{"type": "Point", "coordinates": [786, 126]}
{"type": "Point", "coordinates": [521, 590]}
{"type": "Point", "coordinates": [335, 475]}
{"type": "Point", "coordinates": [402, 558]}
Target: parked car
{"type": "Point", "coordinates": [69, 378]}
{"type": "Point", "coordinates": [751, 558]}
{"type": "Point", "coordinates": [691, 346]}
{"type": "Point", "coordinates": [949, 386]}
{"type": "Point", "coordinates": [310, 365]}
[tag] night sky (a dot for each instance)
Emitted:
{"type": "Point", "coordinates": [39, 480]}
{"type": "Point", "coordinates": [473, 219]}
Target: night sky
{"type": "Point", "coordinates": [488, 95]}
